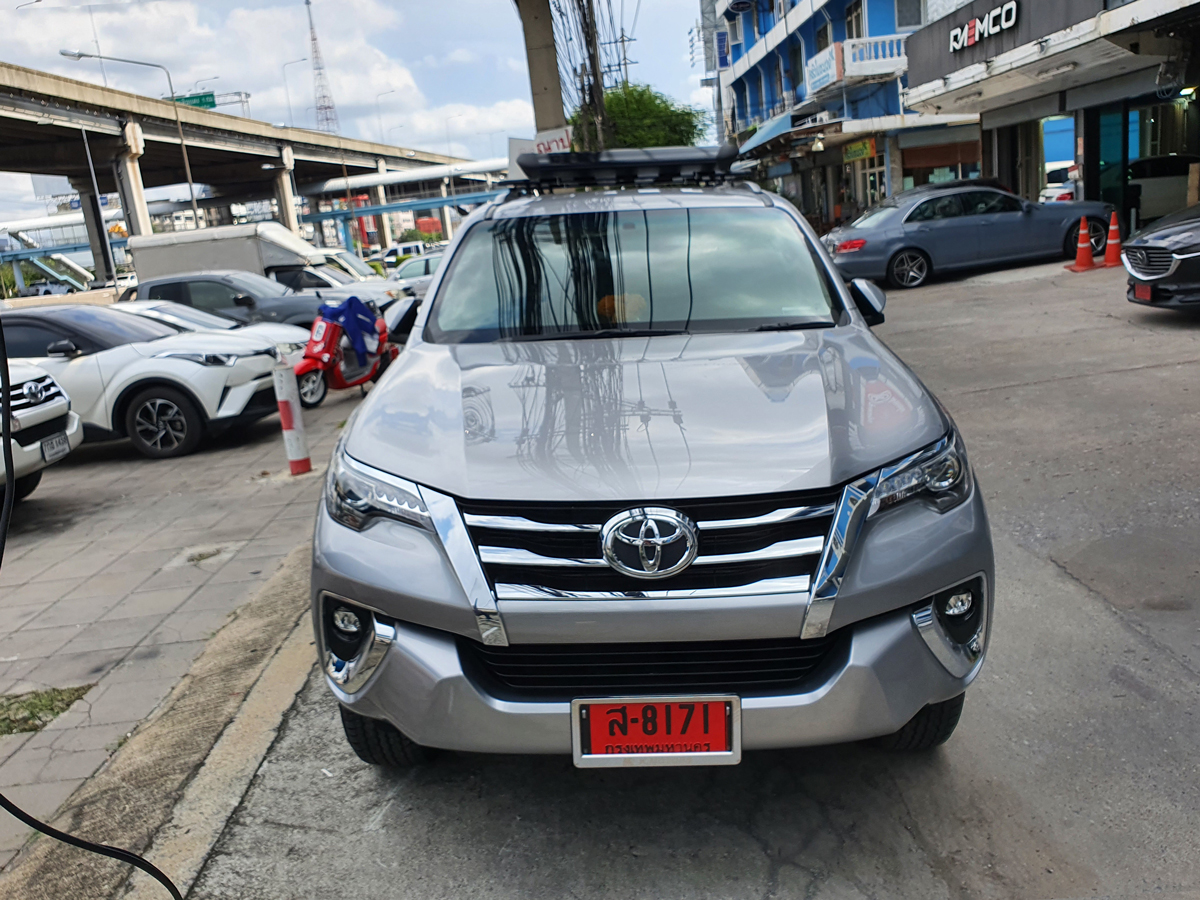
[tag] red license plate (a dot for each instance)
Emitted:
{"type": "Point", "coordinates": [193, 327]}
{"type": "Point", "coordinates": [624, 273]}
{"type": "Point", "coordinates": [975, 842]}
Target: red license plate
{"type": "Point", "coordinates": [658, 731]}
{"type": "Point", "coordinates": [1143, 292]}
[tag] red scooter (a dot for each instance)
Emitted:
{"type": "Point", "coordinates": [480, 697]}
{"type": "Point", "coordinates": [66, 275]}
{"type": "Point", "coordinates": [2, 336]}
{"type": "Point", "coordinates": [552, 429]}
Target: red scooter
{"type": "Point", "coordinates": [330, 362]}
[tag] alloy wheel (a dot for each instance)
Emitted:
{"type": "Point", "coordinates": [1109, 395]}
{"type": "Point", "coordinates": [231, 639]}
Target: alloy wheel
{"type": "Point", "coordinates": [161, 424]}
{"type": "Point", "coordinates": [312, 388]}
{"type": "Point", "coordinates": [1098, 234]}
{"type": "Point", "coordinates": [910, 268]}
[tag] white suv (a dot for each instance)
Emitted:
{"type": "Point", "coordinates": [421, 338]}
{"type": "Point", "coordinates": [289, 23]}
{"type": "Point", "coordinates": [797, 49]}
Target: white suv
{"type": "Point", "coordinates": [44, 429]}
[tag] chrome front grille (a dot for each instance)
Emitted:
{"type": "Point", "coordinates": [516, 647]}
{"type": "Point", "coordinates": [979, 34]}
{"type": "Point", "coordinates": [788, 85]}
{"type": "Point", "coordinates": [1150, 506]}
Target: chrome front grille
{"type": "Point", "coordinates": [1149, 262]}
{"type": "Point", "coordinates": [747, 546]}
{"type": "Point", "coordinates": [35, 392]}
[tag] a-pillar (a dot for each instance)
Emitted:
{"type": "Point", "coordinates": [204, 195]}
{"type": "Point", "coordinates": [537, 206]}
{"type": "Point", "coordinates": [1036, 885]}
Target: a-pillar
{"type": "Point", "coordinates": [93, 220]}
{"type": "Point", "coordinates": [127, 170]}
{"type": "Point", "coordinates": [383, 225]}
{"type": "Point", "coordinates": [447, 225]}
{"type": "Point", "coordinates": [285, 197]}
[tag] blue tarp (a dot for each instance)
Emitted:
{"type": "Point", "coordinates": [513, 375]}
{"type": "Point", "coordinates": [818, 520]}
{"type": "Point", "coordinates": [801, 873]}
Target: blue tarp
{"type": "Point", "coordinates": [356, 320]}
{"type": "Point", "coordinates": [772, 128]}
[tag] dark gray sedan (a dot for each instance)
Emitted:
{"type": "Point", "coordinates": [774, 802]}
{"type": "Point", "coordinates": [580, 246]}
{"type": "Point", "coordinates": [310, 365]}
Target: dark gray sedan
{"type": "Point", "coordinates": [959, 225]}
{"type": "Point", "coordinates": [247, 297]}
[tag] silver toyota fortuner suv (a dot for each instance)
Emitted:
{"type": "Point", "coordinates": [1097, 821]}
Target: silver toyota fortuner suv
{"type": "Point", "coordinates": [644, 488]}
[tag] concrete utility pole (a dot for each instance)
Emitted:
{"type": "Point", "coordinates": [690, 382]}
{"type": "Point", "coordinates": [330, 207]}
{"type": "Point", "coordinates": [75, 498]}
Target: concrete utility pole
{"type": "Point", "coordinates": [538, 24]}
{"type": "Point", "coordinates": [587, 16]}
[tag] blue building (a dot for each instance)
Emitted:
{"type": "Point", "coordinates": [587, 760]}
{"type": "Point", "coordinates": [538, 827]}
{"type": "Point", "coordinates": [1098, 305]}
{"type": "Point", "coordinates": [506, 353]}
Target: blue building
{"type": "Point", "coordinates": [812, 90]}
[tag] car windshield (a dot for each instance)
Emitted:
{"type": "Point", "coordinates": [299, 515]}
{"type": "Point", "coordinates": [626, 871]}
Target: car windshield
{"type": "Point", "coordinates": [257, 286]}
{"type": "Point", "coordinates": [353, 264]}
{"type": "Point", "coordinates": [108, 326]}
{"type": "Point", "coordinates": [336, 274]}
{"type": "Point", "coordinates": [196, 317]}
{"type": "Point", "coordinates": [876, 216]}
{"type": "Point", "coordinates": [635, 272]}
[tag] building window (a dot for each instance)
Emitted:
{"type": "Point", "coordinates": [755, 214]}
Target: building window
{"type": "Point", "coordinates": [796, 58]}
{"type": "Point", "coordinates": [910, 13]}
{"type": "Point", "coordinates": [735, 31]}
{"type": "Point", "coordinates": [824, 36]}
{"type": "Point", "coordinates": [854, 20]}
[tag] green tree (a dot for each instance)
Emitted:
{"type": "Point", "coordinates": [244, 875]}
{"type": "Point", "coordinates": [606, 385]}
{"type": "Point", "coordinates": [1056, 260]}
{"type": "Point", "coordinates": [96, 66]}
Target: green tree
{"type": "Point", "coordinates": [636, 115]}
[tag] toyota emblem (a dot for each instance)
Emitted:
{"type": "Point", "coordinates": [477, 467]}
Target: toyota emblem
{"type": "Point", "coordinates": [649, 542]}
{"type": "Point", "coordinates": [34, 392]}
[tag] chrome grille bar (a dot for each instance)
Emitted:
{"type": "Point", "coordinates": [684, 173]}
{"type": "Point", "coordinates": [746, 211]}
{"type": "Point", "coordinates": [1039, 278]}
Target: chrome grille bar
{"type": "Point", "coordinates": [517, 523]}
{"type": "Point", "coordinates": [514, 556]}
{"type": "Point", "coordinates": [18, 400]}
{"type": "Point", "coordinates": [771, 518]}
{"type": "Point", "coordinates": [796, 584]}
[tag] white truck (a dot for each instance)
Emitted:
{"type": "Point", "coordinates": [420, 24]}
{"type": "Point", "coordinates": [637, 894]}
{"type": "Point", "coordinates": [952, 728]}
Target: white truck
{"type": "Point", "coordinates": [265, 248]}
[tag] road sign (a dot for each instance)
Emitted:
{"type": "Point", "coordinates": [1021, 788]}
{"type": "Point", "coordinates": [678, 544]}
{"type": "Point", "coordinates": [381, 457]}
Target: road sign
{"type": "Point", "coordinates": [202, 101]}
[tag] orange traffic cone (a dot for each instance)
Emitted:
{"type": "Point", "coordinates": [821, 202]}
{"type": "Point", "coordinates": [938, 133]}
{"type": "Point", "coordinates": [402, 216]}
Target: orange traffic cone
{"type": "Point", "coordinates": [1083, 253]}
{"type": "Point", "coordinates": [1112, 250]}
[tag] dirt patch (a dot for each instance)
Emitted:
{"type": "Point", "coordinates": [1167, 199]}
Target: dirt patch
{"type": "Point", "coordinates": [1153, 569]}
{"type": "Point", "coordinates": [24, 713]}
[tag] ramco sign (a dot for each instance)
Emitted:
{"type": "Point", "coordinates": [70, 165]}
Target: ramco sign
{"type": "Point", "coordinates": [999, 19]}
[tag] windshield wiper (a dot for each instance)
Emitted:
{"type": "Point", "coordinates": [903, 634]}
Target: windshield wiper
{"type": "Point", "coordinates": [793, 326]}
{"type": "Point", "coordinates": [600, 333]}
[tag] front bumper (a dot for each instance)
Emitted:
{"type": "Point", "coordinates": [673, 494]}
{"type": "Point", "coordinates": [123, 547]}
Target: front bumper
{"type": "Point", "coordinates": [27, 458]}
{"type": "Point", "coordinates": [888, 674]}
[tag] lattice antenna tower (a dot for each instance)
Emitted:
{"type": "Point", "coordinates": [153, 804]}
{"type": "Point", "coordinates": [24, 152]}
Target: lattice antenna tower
{"type": "Point", "coordinates": [327, 117]}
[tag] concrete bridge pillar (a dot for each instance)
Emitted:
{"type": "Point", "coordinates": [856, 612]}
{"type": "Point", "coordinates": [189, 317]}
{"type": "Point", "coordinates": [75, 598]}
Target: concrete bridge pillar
{"type": "Point", "coordinates": [93, 220]}
{"type": "Point", "coordinates": [128, 174]}
{"type": "Point", "coordinates": [447, 224]}
{"type": "Point", "coordinates": [383, 225]}
{"type": "Point", "coordinates": [285, 196]}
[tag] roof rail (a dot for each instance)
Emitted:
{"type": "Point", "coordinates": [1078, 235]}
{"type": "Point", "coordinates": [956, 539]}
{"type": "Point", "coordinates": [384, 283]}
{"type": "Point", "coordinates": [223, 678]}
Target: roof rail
{"type": "Point", "coordinates": [654, 166]}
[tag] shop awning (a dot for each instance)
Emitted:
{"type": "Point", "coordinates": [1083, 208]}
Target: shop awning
{"type": "Point", "coordinates": [769, 130]}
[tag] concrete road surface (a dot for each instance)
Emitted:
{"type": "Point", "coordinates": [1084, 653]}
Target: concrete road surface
{"type": "Point", "coordinates": [1075, 771]}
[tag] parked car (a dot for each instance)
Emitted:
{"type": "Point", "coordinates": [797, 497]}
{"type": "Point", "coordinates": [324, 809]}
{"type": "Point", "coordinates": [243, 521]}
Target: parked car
{"type": "Point", "coordinates": [1163, 261]}
{"type": "Point", "coordinates": [1060, 186]}
{"type": "Point", "coordinates": [1160, 184]}
{"type": "Point", "coordinates": [353, 266]}
{"type": "Point", "coordinates": [416, 274]}
{"type": "Point", "coordinates": [129, 376]}
{"type": "Point", "coordinates": [290, 339]}
{"type": "Point", "coordinates": [392, 256]}
{"type": "Point", "coordinates": [648, 508]}
{"type": "Point", "coordinates": [247, 297]}
{"type": "Point", "coordinates": [44, 429]}
{"type": "Point", "coordinates": [959, 225]}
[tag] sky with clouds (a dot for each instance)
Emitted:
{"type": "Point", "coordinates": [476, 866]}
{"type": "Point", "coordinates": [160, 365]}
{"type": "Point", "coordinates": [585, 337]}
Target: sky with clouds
{"type": "Point", "coordinates": [453, 70]}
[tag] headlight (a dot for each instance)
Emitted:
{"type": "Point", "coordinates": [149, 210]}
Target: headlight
{"type": "Point", "coordinates": [356, 495]}
{"type": "Point", "coordinates": [288, 349]}
{"type": "Point", "coordinates": [203, 359]}
{"type": "Point", "coordinates": [394, 294]}
{"type": "Point", "coordinates": [939, 474]}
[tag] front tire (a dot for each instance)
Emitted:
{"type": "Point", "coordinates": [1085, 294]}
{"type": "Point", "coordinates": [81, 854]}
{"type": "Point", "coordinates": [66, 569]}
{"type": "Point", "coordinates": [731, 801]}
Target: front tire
{"type": "Point", "coordinates": [162, 423]}
{"type": "Point", "coordinates": [380, 743]}
{"type": "Point", "coordinates": [909, 269]}
{"type": "Point", "coordinates": [1097, 232]}
{"type": "Point", "coordinates": [929, 728]}
{"type": "Point", "coordinates": [23, 487]}
{"type": "Point", "coordinates": [313, 388]}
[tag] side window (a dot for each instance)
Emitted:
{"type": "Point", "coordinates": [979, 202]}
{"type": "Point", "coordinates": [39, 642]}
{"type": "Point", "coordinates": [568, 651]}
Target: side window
{"type": "Point", "coordinates": [289, 278]}
{"type": "Point", "coordinates": [311, 280]}
{"type": "Point", "coordinates": [211, 295]}
{"type": "Point", "coordinates": [937, 208]}
{"type": "Point", "coordinates": [171, 290]}
{"type": "Point", "coordinates": [434, 263]}
{"type": "Point", "coordinates": [979, 203]}
{"type": "Point", "coordinates": [27, 341]}
{"type": "Point", "coordinates": [414, 268]}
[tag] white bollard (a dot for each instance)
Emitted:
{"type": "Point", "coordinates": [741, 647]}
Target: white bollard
{"type": "Point", "coordinates": [287, 393]}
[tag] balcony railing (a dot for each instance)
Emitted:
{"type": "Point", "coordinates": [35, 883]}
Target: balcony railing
{"type": "Point", "coordinates": [875, 57]}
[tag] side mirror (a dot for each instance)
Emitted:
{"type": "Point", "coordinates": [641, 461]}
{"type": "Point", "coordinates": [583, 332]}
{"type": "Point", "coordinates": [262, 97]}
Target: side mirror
{"type": "Point", "coordinates": [62, 348]}
{"type": "Point", "coordinates": [243, 300]}
{"type": "Point", "coordinates": [870, 300]}
{"type": "Point", "coordinates": [1027, 206]}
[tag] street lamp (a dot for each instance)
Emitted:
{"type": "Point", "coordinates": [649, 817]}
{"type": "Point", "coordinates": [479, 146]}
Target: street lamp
{"type": "Point", "coordinates": [459, 116]}
{"type": "Point", "coordinates": [379, 114]}
{"type": "Point", "coordinates": [196, 87]}
{"type": "Point", "coordinates": [187, 166]}
{"type": "Point", "coordinates": [287, 92]}
{"type": "Point", "coordinates": [394, 128]}
{"type": "Point", "coordinates": [23, 5]}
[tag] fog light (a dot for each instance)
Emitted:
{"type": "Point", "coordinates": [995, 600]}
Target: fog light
{"type": "Point", "coordinates": [959, 604]}
{"type": "Point", "coordinates": [347, 622]}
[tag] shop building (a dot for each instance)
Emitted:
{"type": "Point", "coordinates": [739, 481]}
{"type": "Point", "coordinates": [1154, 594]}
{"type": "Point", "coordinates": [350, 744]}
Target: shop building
{"type": "Point", "coordinates": [1118, 77]}
{"type": "Point", "coordinates": [812, 91]}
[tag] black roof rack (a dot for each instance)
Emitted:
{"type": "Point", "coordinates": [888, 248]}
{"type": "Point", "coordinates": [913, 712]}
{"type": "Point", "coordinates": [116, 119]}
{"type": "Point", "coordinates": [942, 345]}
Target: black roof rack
{"type": "Point", "coordinates": [657, 165]}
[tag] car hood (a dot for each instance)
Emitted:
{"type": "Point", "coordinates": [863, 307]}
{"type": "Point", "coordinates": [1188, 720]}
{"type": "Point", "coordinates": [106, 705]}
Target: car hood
{"type": "Point", "coordinates": [640, 419]}
{"type": "Point", "coordinates": [275, 333]}
{"type": "Point", "coordinates": [206, 342]}
{"type": "Point", "coordinates": [1176, 231]}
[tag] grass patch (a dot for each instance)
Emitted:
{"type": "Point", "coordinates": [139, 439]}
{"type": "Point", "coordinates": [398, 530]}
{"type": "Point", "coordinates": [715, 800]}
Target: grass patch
{"type": "Point", "coordinates": [33, 712]}
{"type": "Point", "coordinates": [202, 555]}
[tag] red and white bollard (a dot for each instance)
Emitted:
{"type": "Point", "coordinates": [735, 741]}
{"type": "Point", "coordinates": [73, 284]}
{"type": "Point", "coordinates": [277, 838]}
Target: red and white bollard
{"type": "Point", "coordinates": [287, 393]}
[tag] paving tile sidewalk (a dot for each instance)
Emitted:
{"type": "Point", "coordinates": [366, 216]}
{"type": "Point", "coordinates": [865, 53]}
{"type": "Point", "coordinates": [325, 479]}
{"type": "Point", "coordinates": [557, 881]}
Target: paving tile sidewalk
{"type": "Point", "coordinates": [117, 571]}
